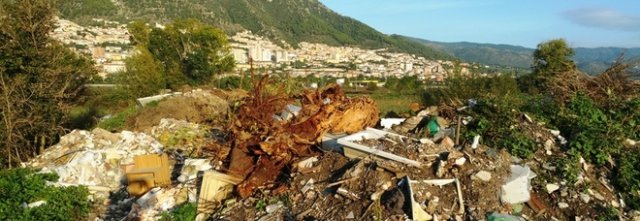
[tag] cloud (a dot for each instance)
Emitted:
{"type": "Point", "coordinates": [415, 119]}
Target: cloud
{"type": "Point", "coordinates": [604, 18]}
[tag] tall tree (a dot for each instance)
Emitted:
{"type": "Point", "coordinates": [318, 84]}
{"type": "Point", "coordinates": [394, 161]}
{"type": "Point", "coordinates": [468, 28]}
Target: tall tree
{"type": "Point", "coordinates": [39, 79]}
{"type": "Point", "coordinates": [552, 57]}
{"type": "Point", "coordinates": [190, 52]}
{"type": "Point", "coordinates": [549, 59]}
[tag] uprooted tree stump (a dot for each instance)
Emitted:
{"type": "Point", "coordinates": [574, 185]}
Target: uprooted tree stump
{"type": "Point", "coordinates": [264, 146]}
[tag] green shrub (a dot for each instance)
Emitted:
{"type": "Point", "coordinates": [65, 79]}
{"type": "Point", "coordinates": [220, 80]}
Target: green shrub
{"type": "Point", "coordinates": [118, 121]}
{"type": "Point", "coordinates": [594, 133]}
{"type": "Point", "coordinates": [18, 186]}
{"type": "Point", "coordinates": [183, 212]}
{"type": "Point", "coordinates": [626, 177]}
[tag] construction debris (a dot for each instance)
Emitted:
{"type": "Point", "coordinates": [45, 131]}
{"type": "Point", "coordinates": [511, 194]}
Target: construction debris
{"type": "Point", "coordinates": [316, 156]}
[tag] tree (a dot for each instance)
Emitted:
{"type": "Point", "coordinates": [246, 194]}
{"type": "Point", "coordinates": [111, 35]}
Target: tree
{"type": "Point", "coordinates": [144, 76]}
{"type": "Point", "coordinates": [552, 57]}
{"type": "Point", "coordinates": [549, 59]}
{"type": "Point", "coordinates": [189, 51]}
{"type": "Point", "coordinates": [39, 79]}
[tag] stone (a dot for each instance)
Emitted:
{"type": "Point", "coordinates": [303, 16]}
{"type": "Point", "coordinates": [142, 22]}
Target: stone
{"type": "Point", "coordinates": [585, 197]}
{"type": "Point", "coordinates": [476, 142]}
{"type": "Point", "coordinates": [427, 141]}
{"type": "Point", "coordinates": [563, 205]}
{"type": "Point", "coordinates": [440, 169]}
{"type": "Point", "coordinates": [615, 204]}
{"type": "Point", "coordinates": [447, 143]}
{"type": "Point", "coordinates": [308, 186]}
{"type": "Point", "coordinates": [307, 163]}
{"type": "Point", "coordinates": [273, 207]}
{"type": "Point", "coordinates": [192, 167]}
{"type": "Point", "coordinates": [552, 187]}
{"type": "Point", "coordinates": [432, 206]}
{"type": "Point", "coordinates": [548, 146]}
{"type": "Point", "coordinates": [460, 161]}
{"type": "Point", "coordinates": [482, 175]}
{"type": "Point", "coordinates": [351, 215]}
{"type": "Point", "coordinates": [630, 143]}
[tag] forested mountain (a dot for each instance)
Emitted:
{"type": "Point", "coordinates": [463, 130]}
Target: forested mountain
{"type": "Point", "coordinates": [290, 21]}
{"type": "Point", "coordinates": [590, 60]}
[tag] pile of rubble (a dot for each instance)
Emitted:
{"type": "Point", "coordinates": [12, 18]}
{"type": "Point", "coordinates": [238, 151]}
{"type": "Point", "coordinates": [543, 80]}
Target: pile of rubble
{"type": "Point", "coordinates": [316, 156]}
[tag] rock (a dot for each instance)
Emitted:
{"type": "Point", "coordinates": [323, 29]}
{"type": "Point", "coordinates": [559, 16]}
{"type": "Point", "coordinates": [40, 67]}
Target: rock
{"type": "Point", "coordinates": [308, 186]}
{"type": "Point", "coordinates": [273, 207]}
{"type": "Point", "coordinates": [447, 143]}
{"type": "Point", "coordinates": [476, 142]}
{"type": "Point", "coordinates": [552, 187]}
{"type": "Point", "coordinates": [427, 141]}
{"type": "Point", "coordinates": [555, 132]}
{"type": "Point", "coordinates": [630, 143]}
{"type": "Point", "coordinates": [351, 215]}
{"type": "Point", "coordinates": [393, 200]}
{"type": "Point", "coordinates": [564, 193]}
{"type": "Point", "coordinates": [440, 169]}
{"type": "Point", "coordinates": [563, 205]}
{"type": "Point", "coordinates": [585, 197]}
{"type": "Point", "coordinates": [595, 194]}
{"type": "Point", "coordinates": [548, 146]}
{"type": "Point", "coordinates": [192, 167]}
{"type": "Point", "coordinates": [307, 163]}
{"type": "Point", "coordinates": [482, 175]}
{"type": "Point", "coordinates": [615, 204]}
{"type": "Point", "coordinates": [460, 161]}
{"type": "Point", "coordinates": [432, 206]}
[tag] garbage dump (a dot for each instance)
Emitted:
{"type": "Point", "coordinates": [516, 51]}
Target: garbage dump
{"type": "Point", "coordinates": [266, 160]}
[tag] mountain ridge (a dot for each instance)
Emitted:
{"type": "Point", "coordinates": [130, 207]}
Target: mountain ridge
{"type": "Point", "coordinates": [290, 21]}
{"type": "Point", "coordinates": [590, 60]}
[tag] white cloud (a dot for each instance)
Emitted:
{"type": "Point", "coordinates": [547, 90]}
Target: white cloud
{"type": "Point", "coordinates": [604, 18]}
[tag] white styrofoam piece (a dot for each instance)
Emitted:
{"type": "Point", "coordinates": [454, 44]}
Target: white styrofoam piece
{"type": "Point", "coordinates": [387, 123]}
{"type": "Point", "coordinates": [349, 143]}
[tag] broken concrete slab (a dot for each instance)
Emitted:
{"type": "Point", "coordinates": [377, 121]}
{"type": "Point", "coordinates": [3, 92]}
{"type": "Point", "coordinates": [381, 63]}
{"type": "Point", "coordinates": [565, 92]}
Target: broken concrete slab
{"type": "Point", "coordinates": [516, 188]}
{"type": "Point", "coordinates": [482, 176]}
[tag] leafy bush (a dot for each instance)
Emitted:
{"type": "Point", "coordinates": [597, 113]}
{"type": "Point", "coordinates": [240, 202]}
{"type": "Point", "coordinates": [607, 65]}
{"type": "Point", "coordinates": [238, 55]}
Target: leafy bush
{"type": "Point", "coordinates": [627, 177]}
{"type": "Point", "coordinates": [118, 121]}
{"type": "Point", "coordinates": [184, 212]}
{"type": "Point", "coordinates": [18, 186]}
{"type": "Point", "coordinates": [461, 88]}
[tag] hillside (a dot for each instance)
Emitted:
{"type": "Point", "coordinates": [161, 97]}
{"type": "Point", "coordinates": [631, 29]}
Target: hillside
{"type": "Point", "coordinates": [291, 21]}
{"type": "Point", "coordinates": [590, 60]}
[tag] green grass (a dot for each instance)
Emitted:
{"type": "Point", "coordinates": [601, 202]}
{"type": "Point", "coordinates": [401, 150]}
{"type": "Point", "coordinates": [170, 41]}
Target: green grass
{"type": "Point", "coordinates": [394, 102]}
{"type": "Point", "coordinates": [117, 121]}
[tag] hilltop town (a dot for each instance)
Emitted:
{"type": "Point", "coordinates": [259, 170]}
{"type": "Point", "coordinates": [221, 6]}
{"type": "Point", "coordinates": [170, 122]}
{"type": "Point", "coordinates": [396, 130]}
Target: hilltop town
{"type": "Point", "coordinates": [108, 44]}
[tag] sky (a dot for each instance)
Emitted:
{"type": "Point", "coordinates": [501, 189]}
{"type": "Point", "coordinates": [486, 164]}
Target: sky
{"type": "Point", "coordinates": [583, 23]}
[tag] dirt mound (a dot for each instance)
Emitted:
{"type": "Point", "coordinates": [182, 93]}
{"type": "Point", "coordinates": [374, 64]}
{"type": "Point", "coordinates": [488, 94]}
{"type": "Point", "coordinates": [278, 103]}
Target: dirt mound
{"type": "Point", "coordinates": [197, 106]}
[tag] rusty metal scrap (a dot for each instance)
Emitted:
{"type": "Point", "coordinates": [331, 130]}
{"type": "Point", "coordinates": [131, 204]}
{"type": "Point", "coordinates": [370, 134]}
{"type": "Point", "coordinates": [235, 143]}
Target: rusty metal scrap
{"type": "Point", "coordinates": [263, 146]}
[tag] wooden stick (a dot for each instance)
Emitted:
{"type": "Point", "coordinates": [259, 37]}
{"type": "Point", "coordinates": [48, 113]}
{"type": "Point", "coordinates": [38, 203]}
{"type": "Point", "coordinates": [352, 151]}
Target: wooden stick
{"type": "Point", "coordinates": [458, 131]}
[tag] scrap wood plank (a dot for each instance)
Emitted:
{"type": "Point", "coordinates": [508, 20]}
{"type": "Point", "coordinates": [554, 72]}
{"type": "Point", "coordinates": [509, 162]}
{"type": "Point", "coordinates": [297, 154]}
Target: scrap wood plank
{"type": "Point", "coordinates": [162, 176]}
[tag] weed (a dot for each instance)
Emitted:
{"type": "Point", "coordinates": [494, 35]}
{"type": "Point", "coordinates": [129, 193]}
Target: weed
{"type": "Point", "coordinates": [19, 186]}
{"type": "Point", "coordinates": [183, 212]}
{"type": "Point", "coordinates": [118, 121]}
